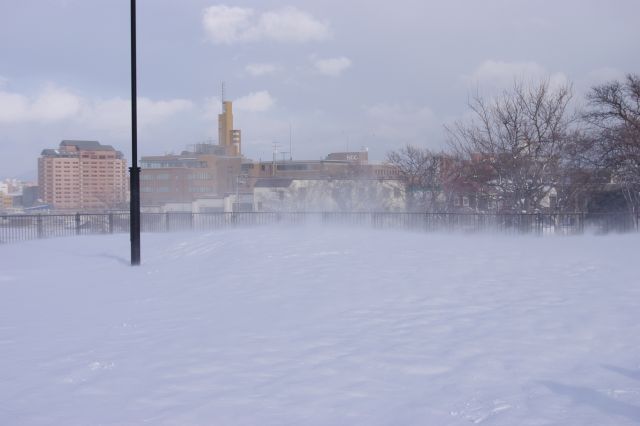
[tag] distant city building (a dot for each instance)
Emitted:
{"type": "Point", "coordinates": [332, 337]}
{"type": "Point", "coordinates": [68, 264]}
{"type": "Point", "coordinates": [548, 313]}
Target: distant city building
{"type": "Point", "coordinates": [208, 177]}
{"type": "Point", "coordinates": [16, 194]}
{"type": "Point", "coordinates": [343, 181]}
{"type": "Point", "coordinates": [82, 175]}
{"type": "Point", "coordinates": [4, 188]}
{"type": "Point", "coordinates": [337, 165]}
{"type": "Point", "coordinates": [205, 171]}
{"type": "Point", "coordinates": [324, 195]}
{"type": "Point", "coordinates": [228, 137]}
{"type": "Point", "coordinates": [6, 201]}
{"type": "Point", "coordinates": [30, 195]}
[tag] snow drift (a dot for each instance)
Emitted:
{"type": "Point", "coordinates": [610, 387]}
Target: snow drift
{"type": "Point", "coordinates": [321, 326]}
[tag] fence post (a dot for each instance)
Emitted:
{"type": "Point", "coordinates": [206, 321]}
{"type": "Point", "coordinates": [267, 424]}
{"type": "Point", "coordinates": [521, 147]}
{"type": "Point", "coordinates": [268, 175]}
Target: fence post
{"type": "Point", "coordinates": [77, 223]}
{"type": "Point", "coordinates": [191, 217]}
{"type": "Point", "coordinates": [167, 225]}
{"type": "Point", "coordinates": [111, 223]}
{"type": "Point", "coordinates": [39, 224]}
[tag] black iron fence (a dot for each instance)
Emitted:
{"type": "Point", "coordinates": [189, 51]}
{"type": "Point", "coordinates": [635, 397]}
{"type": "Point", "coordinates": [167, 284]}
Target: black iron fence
{"type": "Point", "coordinates": [27, 227]}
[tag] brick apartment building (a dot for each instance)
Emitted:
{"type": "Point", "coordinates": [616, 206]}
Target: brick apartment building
{"type": "Point", "coordinates": [83, 176]}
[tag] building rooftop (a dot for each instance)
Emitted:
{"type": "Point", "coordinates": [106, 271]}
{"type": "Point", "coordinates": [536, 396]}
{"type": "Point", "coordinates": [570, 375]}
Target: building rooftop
{"type": "Point", "coordinates": [87, 145]}
{"type": "Point", "coordinates": [80, 146]}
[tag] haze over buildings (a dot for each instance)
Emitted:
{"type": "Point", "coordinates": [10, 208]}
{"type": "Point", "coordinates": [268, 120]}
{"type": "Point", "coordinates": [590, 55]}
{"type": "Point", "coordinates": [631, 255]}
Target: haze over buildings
{"type": "Point", "coordinates": [208, 177]}
{"type": "Point", "coordinates": [342, 78]}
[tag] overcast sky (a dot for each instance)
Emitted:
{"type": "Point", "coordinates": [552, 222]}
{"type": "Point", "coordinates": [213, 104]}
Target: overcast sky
{"type": "Point", "coordinates": [342, 74]}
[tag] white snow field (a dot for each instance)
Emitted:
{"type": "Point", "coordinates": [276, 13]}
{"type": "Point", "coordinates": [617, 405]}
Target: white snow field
{"type": "Point", "coordinates": [321, 326]}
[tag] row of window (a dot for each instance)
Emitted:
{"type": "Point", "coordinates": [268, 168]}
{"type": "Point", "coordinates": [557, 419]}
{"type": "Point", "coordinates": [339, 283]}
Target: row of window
{"type": "Point", "coordinates": [167, 176]}
{"type": "Point", "coordinates": [155, 189]}
{"type": "Point", "coordinates": [157, 176]}
{"type": "Point", "coordinates": [386, 172]}
{"type": "Point", "coordinates": [200, 189]}
{"type": "Point", "coordinates": [201, 175]}
{"type": "Point", "coordinates": [188, 163]}
{"type": "Point", "coordinates": [164, 189]}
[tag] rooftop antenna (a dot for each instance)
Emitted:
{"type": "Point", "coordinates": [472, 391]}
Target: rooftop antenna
{"type": "Point", "coordinates": [222, 93]}
{"type": "Point", "coordinates": [290, 150]}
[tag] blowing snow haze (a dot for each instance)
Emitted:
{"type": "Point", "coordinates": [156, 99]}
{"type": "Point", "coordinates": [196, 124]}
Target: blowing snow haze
{"type": "Point", "coordinates": [342, 75]}
{"type": "Point", "coordinates": [355, 212]}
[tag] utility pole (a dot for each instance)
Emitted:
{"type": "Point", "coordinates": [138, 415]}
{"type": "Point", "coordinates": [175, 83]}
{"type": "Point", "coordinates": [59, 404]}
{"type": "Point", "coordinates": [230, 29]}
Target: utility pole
{"type": "Point", "coordinates": [134, 170]}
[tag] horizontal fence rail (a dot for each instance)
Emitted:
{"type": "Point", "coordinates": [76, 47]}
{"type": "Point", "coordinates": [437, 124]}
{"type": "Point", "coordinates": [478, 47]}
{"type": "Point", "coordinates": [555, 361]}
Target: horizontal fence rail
{"type": "Point", "coordinates": [27, 227]}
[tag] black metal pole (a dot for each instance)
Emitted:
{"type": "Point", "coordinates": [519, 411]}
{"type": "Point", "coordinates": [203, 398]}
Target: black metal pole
{"type": "Point", "coordinates": [134, 170]}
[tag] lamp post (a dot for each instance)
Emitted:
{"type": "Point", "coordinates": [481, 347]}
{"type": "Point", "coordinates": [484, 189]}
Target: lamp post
{"type": "Point", "coordinates": [134, 170]}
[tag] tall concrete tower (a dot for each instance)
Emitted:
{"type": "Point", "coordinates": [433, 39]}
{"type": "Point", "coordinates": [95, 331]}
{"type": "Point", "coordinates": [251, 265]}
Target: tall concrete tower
{"type": "Point", "coordinates": [228, 137]}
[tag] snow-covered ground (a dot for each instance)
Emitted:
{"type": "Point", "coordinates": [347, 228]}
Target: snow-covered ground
{"type": "Point", "coordinates": [321, 326]}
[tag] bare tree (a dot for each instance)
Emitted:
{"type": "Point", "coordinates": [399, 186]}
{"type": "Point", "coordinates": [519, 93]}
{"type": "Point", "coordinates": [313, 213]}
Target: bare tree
{"type": "Point", "coordinates": [518, 138]}
{"type": "Point", "coordinates": [419, 170]}
{"type": "Point", "coordinates": [614, 117]}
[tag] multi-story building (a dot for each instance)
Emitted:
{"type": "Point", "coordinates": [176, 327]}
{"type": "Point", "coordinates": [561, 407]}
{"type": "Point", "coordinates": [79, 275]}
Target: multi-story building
{"type": "Point", "coordinates": [83, 176]}
{"type": "Point", "coordinates": [337, 165]}
{"type": "Point", "coordinates": [228, 137]}
{"type": "Point", "coordinates": [343, 181]}
{"type": "Point", "coordinates": [328, 195]}
{"type": "Point", "coordinates": [203, 172]}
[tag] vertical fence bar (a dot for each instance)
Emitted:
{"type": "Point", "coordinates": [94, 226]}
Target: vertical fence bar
{"type": "Point", "coordinates": [39, 226]}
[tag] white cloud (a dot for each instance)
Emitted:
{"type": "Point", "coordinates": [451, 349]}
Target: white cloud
{"type": "Point", "coordinates": [13, 107]}
{"type": "Point", "coordinates": [255, 102]}
{"type": "Point", "coordinates": [227, 25]}
{"type": "Point", "coordinates": [54, 104]}
{"type": "Point", "coordinates": [332, 66]}
{"type": "Point", "coordinates": [224, 24]}
{"type": "Point", "coordinates": [156, 111]}
{"type": "Point", "coordinates": [261, 69]}
{"type": "Point", "coordinates": [492, 75]}
{"type": "Point", "coordinates": [50, 105]}
{"type": "Point", "coordinates": [292, 25]}
{"type": "Point", "coordinates": [115, 113]}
